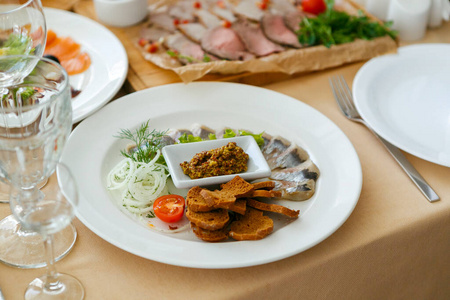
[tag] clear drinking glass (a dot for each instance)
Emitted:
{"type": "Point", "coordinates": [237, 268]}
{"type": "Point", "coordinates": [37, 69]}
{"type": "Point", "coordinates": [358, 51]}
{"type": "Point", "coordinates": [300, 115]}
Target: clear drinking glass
{"type": "Point", "coordinates": [35, 122]}
{"type": "Point", "coordinates": [22, 32]}
{"type": "Point", "coordinates": [47, 212]}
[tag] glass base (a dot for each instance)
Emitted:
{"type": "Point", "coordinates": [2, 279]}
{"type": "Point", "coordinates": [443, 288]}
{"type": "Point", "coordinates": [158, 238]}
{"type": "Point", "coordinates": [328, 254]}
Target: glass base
{"type": "Point", "coordinates": [66, 287]}
{"type": "Point", "coordinates": [25, 249]}
{"type": "Point", "coordinates": [4, 192]}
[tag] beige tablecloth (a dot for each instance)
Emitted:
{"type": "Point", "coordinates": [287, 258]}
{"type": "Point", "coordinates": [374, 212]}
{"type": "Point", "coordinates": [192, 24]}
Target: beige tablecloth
{"type": "Point", "coordinates": [395, 245]}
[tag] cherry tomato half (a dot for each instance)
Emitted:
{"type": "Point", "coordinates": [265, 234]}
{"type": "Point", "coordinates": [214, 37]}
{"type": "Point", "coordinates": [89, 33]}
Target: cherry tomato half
{"type": "Point", "coordinates": [314, 6]}
{"type": "Point", "coordinates": [169, 208]}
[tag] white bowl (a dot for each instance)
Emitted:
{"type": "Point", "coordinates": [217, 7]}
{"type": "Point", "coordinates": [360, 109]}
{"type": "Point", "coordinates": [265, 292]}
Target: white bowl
{"type": "Point", "coordinates": [178, 153]}
{"type": "Point", "coordinates": [121, 13]}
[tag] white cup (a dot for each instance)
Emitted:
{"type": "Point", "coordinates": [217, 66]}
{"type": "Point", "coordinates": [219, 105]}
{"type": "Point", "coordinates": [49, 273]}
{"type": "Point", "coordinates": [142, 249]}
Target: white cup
{"type": "Point", "coordinates": [410, 18]}
{"type": "Point", "coordinates": [121, 13]}
{"type": "Point", "coordinates": [378, 8]}
{"type": "Point", "coordinates": [440, 10]}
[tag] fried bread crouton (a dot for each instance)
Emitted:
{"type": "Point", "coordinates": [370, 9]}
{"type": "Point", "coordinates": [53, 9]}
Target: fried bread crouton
{"type": "Point", "coordinates": [252, 226]}
{"type": "Point", "coordinates": [273, 208]}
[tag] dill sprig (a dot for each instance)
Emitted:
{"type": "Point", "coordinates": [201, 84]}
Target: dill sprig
{"type": "Point", "coordinates": [147, 143]}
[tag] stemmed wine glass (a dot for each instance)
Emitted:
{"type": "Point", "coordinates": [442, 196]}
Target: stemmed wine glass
{"type": "Point", "coordinates": [47, 211]}
{"type": "Point", "coordinates": [35, 122]}
{"type": "Point", "coordinates": [22, 32]}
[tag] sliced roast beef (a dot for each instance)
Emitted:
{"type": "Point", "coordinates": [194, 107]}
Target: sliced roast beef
{"type": "Point", "coordinates": [225, 43]}
{"type": "Point", "coordinates": [183, 11]}
{"type": "Point", "coordinates": [154, 33]}
{"type": "Point", "coordinates": [194, 31]}
{"type": "Point", "coordinates": [189, 52]}
{"type": "Point", "coordinates": [293, 19]}
{"type": "Point", "coordinates": [249, 9]}
{"type": "Point", "coordinates": [282, 7]}
{"type": "Point", "coordinates": [208, 19]}
{"type": "Point", "coordinates": [163, 20]}
{"type": "Point", "coordinates": [254, 39]}
{"type": "Point", "coordinates": [222, 9]}
{"type": "Point", "coordinates": [275, 30]}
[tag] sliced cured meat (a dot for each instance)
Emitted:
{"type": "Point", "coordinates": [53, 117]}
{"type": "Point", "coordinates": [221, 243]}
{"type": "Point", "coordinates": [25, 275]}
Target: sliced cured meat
{"type": "Point", "coordinates": [275, 147]}
{"type": "Point", "coordinates": [276, 30]}
{"type": "Point", "coordinates": [208, 19]}
{"type": "Point", "coordinates": [176, 133]}
{"type": "Point", "coordinates": [249, 9]}
{"type": "Point", "coordinates": [189, 52]}
{"type": "Point", "coordinates": [77, 64]}
{"type": "Point", "coordinates": [282, 7]}
{"type": "Point", "coordinates": [167, 140]}
{"type": "Point", "coordinates": [225, 43]}
{"type": "Point", "coordinates": [296, 191]}
{"type": "Point", "coordinates": [293, 19]}
{"type": "Point", "coordinates": [254, 39]}
{"type": "Point", "coordinates": [292, 157]}
{"type": "Point", "coordinates": [202, 131]}
{"type": "Point", "coordinates": [63, 48]}
{"type": "Point", "coordinates": [51, 37]}
{"type": "Point", "coordinates": [222, 9]}
{"type": "Point", "coordinates": [163, 20]}
{"type": "Point", "coordinates": [194, 31]}
{"type": "Point", "coordinates": [154, 33]}
{"type": "Point", "coordinates": [267, 138]}
{"type": "Point", "coordinates": [183, 11]}
{"type": "Point", "coordinates": [304, 171]}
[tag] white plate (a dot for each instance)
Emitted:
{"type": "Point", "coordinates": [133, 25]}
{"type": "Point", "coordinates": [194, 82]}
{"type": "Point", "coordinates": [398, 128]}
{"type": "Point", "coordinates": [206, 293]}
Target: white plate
{"type": "Point", "coordinates": [109, 61]}
{"type": "Point", "coordinates": [92, 150]}
{"type": "Point", "coordinates": [405, 98]}
{"type": "Point", "coordinates": [179, 153]}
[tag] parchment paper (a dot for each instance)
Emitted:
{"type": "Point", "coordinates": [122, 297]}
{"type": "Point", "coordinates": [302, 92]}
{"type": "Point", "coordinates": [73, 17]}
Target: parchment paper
{"type": "Point", "coordinates": [290, 61]}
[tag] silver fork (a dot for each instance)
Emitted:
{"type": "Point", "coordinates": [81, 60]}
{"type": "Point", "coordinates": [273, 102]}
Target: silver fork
{"type": "Point", "coordinates": [344, 99]}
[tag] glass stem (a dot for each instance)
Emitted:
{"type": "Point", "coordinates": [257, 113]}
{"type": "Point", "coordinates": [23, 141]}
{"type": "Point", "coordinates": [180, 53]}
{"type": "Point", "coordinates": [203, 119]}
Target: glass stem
{"type": "Point", "coordinates": [51, 283]}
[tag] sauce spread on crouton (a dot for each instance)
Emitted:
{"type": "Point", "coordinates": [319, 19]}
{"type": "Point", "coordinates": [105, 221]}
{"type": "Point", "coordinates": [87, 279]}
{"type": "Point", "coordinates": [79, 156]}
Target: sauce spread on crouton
{"type": "Point", "coordinates": [229, 159]}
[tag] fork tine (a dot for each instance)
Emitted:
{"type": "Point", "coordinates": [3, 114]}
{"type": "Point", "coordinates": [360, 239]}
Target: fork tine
{"type": "Point", "coordinates": [343, 95]}
{"type": "Point", "coordinates": [347, 92]}
{"type": "Point", "coordinates": [334, 88]}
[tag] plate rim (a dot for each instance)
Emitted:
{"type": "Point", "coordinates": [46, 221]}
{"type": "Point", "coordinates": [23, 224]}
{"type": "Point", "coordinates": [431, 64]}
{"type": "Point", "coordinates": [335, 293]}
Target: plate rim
{"type": "Point", "coordinates": [404, 53]}
{"type": "Point", "coordinates": [355, 189]}
{"type": "Point", "coordinates": [107, 93]}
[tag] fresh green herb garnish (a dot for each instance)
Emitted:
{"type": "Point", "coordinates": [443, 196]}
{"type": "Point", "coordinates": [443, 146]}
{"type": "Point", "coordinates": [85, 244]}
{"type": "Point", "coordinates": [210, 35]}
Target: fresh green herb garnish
{"type": "Point", "coordinates": [335, 27]}
{"type": "Point", "coordinates": [258, 137]}
{"type": "Point", "coordinates": [147, 143]}
{"type": "Point", "coordinates": [185, 138]}
{"type": "Point", "coordinates": [189, 59]}
{"type": "Point", "coordinates": [206, 58]}
{"type": "Point", "coordinates": [150, 214]}
{"type": "Point", "coordinates": [229, 133]}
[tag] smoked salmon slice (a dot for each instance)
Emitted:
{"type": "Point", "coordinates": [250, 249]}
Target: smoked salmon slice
{"type": "Point", "coordinates": [68, 53]}
{"type": "Point", "coordinates": [51, 37]}
{"type": "Point", "coordinates": [78, 64]}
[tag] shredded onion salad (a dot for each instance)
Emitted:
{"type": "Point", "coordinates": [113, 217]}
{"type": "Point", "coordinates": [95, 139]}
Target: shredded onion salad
{"type": "Point", "coordinates": [140, 183]}
{"type": "Point", "coordinates": [141, 176]}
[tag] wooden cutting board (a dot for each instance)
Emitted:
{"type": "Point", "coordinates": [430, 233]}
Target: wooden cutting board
{"type": "Point", "coordinates": [60, 4]}
{"type": "Point", "coordinates": [143, 74]}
